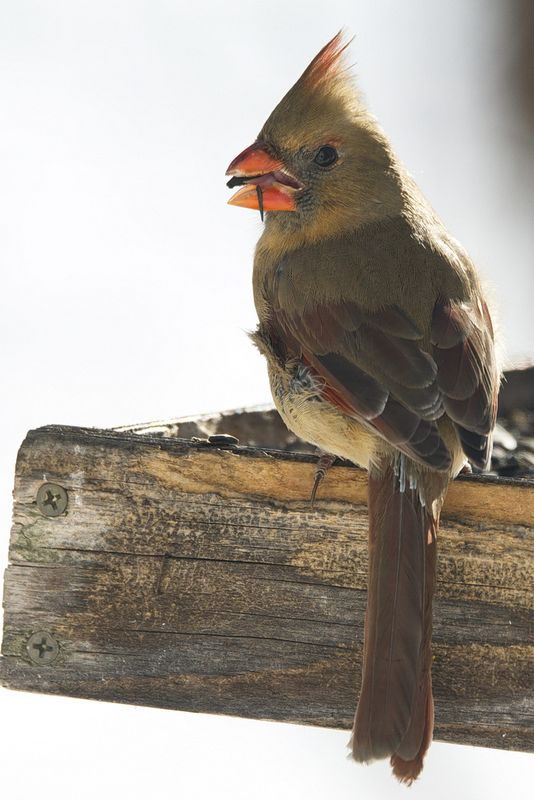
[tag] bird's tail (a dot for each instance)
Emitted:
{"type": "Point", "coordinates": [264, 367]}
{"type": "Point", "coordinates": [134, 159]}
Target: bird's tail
{"type": "Point", "coordinates": [395, 714]}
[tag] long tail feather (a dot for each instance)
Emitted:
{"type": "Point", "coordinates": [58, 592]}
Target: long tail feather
{"type": "Point", "coordinates": [395, 711]}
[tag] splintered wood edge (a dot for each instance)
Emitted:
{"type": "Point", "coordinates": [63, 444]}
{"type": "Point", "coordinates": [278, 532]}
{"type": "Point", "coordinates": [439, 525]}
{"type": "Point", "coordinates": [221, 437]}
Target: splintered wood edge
{"type": "Point", "coordinates": [284, 476]}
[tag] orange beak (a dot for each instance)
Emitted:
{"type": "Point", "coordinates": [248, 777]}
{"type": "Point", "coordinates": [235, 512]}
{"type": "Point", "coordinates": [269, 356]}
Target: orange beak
{"type": "Point", "coordinates": [265, 185]}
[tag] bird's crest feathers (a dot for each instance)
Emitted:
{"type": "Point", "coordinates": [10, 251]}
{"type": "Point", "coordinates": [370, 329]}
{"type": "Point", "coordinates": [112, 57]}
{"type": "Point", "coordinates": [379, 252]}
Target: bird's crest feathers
{"type": "Point", "coordinates": [328, 63]}
{"type": "Point", "coordinates": [323, 99]}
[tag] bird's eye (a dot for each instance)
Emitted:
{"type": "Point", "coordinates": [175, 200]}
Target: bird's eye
{"type": "Point", "coordinates": [326, 156]}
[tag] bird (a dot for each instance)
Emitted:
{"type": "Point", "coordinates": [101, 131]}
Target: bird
{"type": "Point", "coordinates": [380, 350]}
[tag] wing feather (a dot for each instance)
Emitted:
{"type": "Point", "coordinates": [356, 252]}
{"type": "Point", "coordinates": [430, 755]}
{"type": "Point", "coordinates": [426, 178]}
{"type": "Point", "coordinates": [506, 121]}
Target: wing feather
{"type": "Point", "coordinates": [463, 348]}
{"type": "Point", "coordinates": [394, 377]}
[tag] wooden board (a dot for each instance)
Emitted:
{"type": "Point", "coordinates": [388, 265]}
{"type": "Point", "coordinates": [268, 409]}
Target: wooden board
{"type": "Point", "coordinates": [190, 577]}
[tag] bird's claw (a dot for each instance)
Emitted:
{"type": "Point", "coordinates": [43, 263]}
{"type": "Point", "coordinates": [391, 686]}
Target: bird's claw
{"type": "Point", "coordinates": [323, 465]}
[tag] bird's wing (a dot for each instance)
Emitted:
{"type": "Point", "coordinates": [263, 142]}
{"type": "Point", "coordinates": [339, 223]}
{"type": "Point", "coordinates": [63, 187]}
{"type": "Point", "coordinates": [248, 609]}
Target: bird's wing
{"type": "Point", "coordinates": [373, 367]}
{"type": "Point", "coordinates": [462, 339]}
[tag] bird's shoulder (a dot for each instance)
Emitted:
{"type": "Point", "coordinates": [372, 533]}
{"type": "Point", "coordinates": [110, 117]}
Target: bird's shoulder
{"type": "Point", "coordinates": [391, 261]}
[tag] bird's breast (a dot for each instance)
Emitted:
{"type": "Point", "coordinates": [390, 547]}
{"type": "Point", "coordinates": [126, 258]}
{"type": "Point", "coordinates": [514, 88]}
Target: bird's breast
{"type": "Point", "coordinates": [297, 394]}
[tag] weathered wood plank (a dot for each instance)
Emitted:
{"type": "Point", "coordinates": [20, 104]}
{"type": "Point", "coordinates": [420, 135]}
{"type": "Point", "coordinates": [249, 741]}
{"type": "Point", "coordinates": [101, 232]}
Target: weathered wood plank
{"type": "Point", "coordinates": [187, 577]}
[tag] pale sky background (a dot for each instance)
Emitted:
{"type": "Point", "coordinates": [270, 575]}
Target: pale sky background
{"type": "Point", "coordinates": [126, 291]}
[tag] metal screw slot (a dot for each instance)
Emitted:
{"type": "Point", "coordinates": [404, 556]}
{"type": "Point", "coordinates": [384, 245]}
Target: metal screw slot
{"type": "Point", "coordinates": [42, 647]}
{"type": "Point", "coordinates": [52, 499]}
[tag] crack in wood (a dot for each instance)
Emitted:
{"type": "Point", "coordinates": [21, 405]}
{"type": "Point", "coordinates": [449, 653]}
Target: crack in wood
{"type": "Point", "coordinates": [265, 639]}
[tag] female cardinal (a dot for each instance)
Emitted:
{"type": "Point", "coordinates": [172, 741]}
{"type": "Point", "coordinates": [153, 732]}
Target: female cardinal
{"type": "Point", "coordinates": [380, 350]}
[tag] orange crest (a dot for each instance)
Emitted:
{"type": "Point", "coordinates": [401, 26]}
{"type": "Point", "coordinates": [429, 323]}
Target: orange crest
{"type": "Point", "coordinates": [328, 62]}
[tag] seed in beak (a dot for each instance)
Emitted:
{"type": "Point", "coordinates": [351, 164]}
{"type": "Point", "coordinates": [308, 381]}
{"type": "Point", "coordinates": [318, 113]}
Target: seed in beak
{"type": "Point", "coordinates": [259, 194]}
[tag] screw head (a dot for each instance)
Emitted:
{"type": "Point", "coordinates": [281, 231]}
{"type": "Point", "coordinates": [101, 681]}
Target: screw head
{"type": "Point", "coordinates": [42, 647]}
{"type": "Point", "coordinates": [52, 499]}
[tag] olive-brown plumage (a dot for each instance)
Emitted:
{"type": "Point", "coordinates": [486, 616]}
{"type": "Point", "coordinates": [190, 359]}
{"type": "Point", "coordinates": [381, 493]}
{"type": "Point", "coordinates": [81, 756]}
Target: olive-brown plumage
{"type": "Point", "coordinates": [380, 350]}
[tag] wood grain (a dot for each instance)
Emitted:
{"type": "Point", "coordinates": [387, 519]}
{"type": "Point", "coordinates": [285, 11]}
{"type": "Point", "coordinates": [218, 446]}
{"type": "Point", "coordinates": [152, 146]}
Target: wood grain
{"type": "Point", "coordinates": [185, 576]}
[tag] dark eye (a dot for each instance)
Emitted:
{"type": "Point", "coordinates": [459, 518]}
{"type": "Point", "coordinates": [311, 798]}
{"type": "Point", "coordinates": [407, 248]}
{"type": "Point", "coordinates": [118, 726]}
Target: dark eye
{"type": "Point", "coordinates": [326, 156]}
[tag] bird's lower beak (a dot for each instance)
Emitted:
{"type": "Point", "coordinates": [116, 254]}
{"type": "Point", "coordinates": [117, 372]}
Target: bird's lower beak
{"type": "Point", "coordinates": [265, 184]}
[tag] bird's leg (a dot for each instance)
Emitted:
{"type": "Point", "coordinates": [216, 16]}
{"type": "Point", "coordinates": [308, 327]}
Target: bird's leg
{"type": "Point", "coordinates": [323, 465]}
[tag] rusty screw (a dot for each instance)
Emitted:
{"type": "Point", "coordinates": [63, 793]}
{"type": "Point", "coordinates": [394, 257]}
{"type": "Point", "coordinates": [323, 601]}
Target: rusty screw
{"type": "Point", "coordinates": [42, 647]}
{"type": "Point", "coordinates": [52, 499]}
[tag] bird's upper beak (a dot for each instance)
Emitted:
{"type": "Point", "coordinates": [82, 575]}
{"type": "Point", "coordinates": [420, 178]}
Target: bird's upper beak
{"type": "Point", "coordinates": [265, 183]}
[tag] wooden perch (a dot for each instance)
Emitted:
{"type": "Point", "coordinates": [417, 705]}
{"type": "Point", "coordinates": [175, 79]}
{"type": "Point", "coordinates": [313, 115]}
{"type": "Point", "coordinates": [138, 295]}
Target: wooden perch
{"type": "Point", "coordinates": [178, 574]}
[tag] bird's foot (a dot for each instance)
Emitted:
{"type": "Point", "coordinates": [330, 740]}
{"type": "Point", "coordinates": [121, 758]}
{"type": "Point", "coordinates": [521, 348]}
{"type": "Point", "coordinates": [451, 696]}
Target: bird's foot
{"type": "Point", "coordinates": [323, 465]}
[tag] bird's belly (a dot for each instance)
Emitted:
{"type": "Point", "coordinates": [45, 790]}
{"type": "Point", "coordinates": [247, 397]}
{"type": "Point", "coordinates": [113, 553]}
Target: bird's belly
{"type": "Point", "coordinates": [297, 398]}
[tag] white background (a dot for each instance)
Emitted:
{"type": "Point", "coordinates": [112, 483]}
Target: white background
{"type": "Point", "coordinates": [125, 291]}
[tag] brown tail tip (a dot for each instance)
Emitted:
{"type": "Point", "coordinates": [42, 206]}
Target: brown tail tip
{"type": "Point", "coordinates": [406, 771]}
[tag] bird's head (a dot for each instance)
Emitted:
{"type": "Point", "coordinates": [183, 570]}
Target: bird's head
{"type": "Point", "coordinates": [320, 161]}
